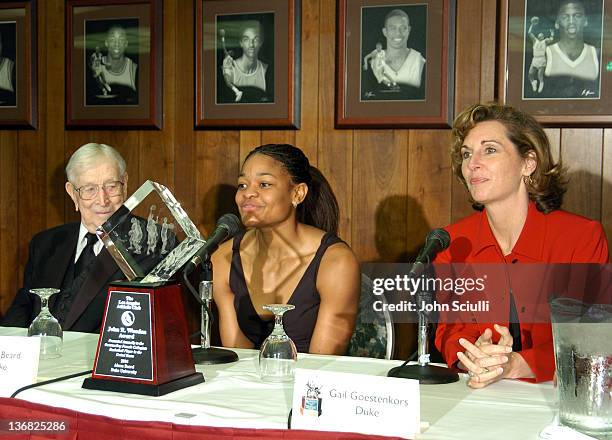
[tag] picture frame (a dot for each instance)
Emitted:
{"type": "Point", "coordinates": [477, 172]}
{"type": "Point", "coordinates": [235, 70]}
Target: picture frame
{"type": "Point", "coordinates": [114, 64]}
{"type": "Point", "coordinates": [248, 64]}
{"type": "Point", "coordinates": [18, 66]}
{"type": "Point", "coordinates": [388, 74]}
{"type": "Point", "coordinates": [560, 74]}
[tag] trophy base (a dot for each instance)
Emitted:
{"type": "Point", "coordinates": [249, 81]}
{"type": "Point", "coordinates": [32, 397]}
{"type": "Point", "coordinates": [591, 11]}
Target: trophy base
{"type": "Point", "coordinates": [425, 374]}
{"type": "Point", "coordinates": [211, 356]}
{"type": "Point", "coordinates": [141, 388]}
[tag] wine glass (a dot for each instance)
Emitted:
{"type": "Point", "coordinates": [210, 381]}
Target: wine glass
{"type": "Point", "coordinates": [46, 327]}
{"type": "Point", "coordinates": [278, 355]}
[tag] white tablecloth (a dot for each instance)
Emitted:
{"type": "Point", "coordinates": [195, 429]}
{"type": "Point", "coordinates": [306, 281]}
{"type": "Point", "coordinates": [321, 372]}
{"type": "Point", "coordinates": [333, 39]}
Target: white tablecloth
{"type": "Point", "coordinates": [233, 396]}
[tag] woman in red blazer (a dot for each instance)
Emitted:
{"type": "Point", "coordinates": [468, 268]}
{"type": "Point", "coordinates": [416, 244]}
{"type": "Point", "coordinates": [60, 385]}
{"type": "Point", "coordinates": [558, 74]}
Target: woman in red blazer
{"type": "Point", "coordinates": [503, 157]}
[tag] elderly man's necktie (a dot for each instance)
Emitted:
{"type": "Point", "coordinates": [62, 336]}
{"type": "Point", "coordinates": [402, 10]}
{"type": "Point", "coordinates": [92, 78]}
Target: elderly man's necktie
{"type": "Point", "coordinates": [87, 255]}
{"type": "Point", "coordinates": [71, 285]}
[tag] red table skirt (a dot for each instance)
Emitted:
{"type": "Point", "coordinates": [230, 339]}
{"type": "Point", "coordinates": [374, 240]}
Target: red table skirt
{"type": "Point", "coordinates": [93, 427]}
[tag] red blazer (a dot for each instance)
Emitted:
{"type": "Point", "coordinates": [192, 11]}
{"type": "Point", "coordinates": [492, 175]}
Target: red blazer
{"type": "Point", "coordinates": [557, 237]}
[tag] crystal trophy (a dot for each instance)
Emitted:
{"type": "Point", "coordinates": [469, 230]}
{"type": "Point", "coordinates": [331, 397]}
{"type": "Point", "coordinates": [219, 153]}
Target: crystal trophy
{"type": "Point", "coordinates": [151, 227]}
{"type": "Point", "coordinates": [144, 343]}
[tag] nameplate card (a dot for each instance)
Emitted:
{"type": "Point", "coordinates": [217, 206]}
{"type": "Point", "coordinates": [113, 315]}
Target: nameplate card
{"type": "Point", "coordinates": [18, 363]}
{"type": "Point", "coordinates": [347, 402]}
{"type": "Point", "coordinates": [125, 346]}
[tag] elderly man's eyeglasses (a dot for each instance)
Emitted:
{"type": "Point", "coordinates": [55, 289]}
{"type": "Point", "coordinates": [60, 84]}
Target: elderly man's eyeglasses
{"type": "Point", "coordinates": [112, 189]}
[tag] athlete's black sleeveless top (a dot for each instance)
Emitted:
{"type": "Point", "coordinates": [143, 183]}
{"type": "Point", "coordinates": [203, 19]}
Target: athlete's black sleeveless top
{"type": "Point", "coordinates": [299, 323]}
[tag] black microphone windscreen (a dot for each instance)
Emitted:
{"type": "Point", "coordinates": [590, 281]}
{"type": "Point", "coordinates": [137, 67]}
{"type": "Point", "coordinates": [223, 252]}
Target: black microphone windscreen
{"type": "Point", "coordinates": [231, 223]}
{"type": "Point", "coordinates": [441, 235]}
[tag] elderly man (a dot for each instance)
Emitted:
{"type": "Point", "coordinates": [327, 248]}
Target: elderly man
{"type": "Point", "coordinates": [70, 257]}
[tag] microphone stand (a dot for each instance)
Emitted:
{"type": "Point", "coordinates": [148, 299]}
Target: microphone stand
{"type": "Point", "coordinates": [422, 370]}
{"type": "Point", "coordinates": [206, 354]}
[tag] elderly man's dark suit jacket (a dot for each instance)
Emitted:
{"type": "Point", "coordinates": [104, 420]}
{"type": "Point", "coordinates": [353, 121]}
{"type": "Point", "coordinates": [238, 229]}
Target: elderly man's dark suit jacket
{"type": "Point", "coordinates": [50, 255]}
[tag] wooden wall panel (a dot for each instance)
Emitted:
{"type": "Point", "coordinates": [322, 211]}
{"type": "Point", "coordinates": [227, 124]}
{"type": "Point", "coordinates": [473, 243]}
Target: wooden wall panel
{"type": "Point", "coordinates": [335, 155]}
{"type": "Point", "coordinates": [306, 138]}
{"type": "Point", "coordinates": [278, 137]}
{"type": "Point", "coordinates": [554, 137]}
{"type": "Point", "coordinates": [378, 223]}
{"type": "Point", "coordinates": [606, 184]}
{"type": "Point", "coordinates": [32, 204]}
{"type": "Point", "coordinates": [395, 181]}
{"type": "Point", "coordinates": [429, 186]}
{"type": "Point", "coordinates": [469, 52]}
{"type": "Point", "coordinates": [217, 169]}
{"type": "Point", "coordinates": [487, 52]}
{"type": "Point", "coordinates": [158, 146]}
{"type": "Point", "coordinates": [51, 131]}
{"type": "Point", "coordinates": [581, 151]}
{"type": "Point", "coordinates": [248, 141]}
{"type": "Point", "coordinates": [183, 122]}
{"type": "Point", "coordinates": [9, 221]}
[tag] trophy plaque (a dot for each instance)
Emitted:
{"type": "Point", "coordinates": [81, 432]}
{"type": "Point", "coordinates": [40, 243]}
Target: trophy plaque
{"type": "Point", "coordinates": [143, 346]}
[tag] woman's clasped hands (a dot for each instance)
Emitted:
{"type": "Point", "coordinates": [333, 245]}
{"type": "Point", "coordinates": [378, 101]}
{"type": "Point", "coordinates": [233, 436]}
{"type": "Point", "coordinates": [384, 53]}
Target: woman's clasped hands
{"type": "Point", "coordinates": [487, 362]}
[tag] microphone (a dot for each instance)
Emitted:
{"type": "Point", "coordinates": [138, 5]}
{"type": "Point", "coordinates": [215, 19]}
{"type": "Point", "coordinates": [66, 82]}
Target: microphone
{"type": "Point", "coordinates": [227, 226]}
{"type": "Point", "coordinates": [436, 241]}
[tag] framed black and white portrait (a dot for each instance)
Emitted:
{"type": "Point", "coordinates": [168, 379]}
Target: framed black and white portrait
{"type": "Point", "coordinates": [394, 52]}
{"type": "Point", "coordinates": [8, 55]}
{"type": "Point", "coordinates": [555, 60]}
{"type": "Point", "coordinates": [247, 64]}
{"type": "Point", "coordinates": [395, 63]}
{"type": "Point", "coordinates": [111, 55]}
{"type": "Point", "coordinates": [245, 58]}
{"type": "Point", "coordinates": [114, 63]}
{"type": "Point", "coordinates": [18, 64]}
